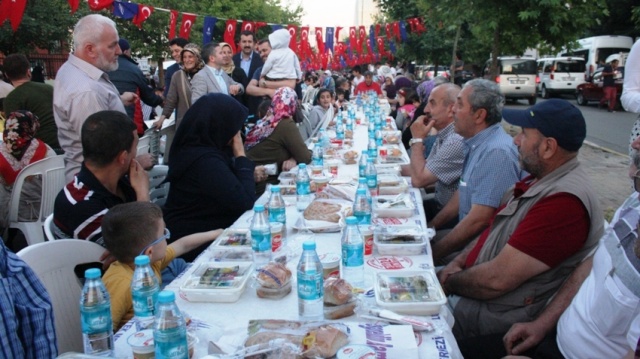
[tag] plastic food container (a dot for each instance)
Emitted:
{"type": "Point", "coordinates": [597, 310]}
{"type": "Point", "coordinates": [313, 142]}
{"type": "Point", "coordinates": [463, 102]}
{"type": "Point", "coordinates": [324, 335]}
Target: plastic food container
{"type": "Point", "coordinates": [230, 254]}
{"type": "Point", "coordinates": [403, 209]}
{"type": "Point", "coordinates": [400, 240]}
{"type": "Point", "coordinates": [391, 137]}
{"type": "Point", "coordinates": [391, 183]}
{"type": "Point", "coordinates": [142, 344]}
{"type": "Point", "coordinates": [217, 282]}
{"type": "Point", "coordinates": [387, 169]}
{"type": "Point", "coordinates": [274, 293]}
{"type": "Point", "coordinates": [330, 264]}
{"type": "Point", "coordinates": [234, 238]}
{"type": "Point", "coordinates": [416, 293]}
{"type": "Point", "coordinates": [287, 178]}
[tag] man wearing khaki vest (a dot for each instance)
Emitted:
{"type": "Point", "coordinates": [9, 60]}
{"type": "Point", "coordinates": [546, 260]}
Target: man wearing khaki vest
{"type": "Point", "coordinates": [545, 226]}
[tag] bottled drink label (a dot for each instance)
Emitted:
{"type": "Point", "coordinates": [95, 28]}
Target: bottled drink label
{"type": "Point", "coordinates": [363, 217]}
{"type": "Point", "coordinates": [352, 255]}
{"type": "Point", "coordinates": [277, 215]}
{"type": "Point", "coordinates": [96, 319]}
{"type": "Point", "coordinates": [303, 188]}
{"type": "Point", "coordinates": [143, 302]}
{"type": "Point", "coordinates": [372, 181]}
{"type": "Point", "coordinates": [310, 285]}
{"type": "Point", "coordinates": [171, 343]}
{"type": "Point", "coordinates": [261, 240]}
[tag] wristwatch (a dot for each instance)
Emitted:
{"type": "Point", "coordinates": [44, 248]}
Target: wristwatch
{"type": "Point", "coordinates": [413, 141]}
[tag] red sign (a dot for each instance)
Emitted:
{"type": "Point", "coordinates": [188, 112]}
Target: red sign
{"type": "Point", "coordinates": [390, 262]}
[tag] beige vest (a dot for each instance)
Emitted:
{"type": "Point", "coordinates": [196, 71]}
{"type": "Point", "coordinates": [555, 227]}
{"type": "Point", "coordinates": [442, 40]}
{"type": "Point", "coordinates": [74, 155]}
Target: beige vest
{"type": "Point", "coordinates": [475, 317]}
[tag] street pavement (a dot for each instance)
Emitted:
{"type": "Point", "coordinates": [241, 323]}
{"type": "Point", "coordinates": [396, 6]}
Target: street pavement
{"type": "Point", "coordinates": [605, 153]}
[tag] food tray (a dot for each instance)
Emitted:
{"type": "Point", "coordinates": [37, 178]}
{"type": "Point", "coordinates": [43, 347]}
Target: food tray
{"type": "Point", "coordinates": [389, 184]}
{"type": "Point", "coordinates": [287, 177]}
{"type": "Point", "coordinates": [230, 254]}
{"type": "Point", "coordinates": [400, 210]}
{"type": "Point", "coordinates": [394, 155]}
{"type": "Point", "coordinates": [217, 282]}
{"type": "Point", "coordinates": [416, 293]}
{"type": "Point", "coordinates": [400, 240]}
{"type": "Point", "coordinates": [391, 137]}
{"type": "Point", "coordinates": [386, 168]}
{"type": "Point", "coordinates": [234, 238]}
{"type": "Point", "coordinates": [319, 226]}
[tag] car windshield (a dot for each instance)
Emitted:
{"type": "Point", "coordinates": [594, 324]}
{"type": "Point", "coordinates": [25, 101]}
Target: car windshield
{"type": "Point", "coordinates": [518, 66]}
{"type": "Point", "coordinates": [570, 66]}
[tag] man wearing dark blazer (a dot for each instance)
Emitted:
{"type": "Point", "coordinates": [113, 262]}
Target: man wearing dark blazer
{"type": "Point", "coordinates": [248, 59]}
{"type": "Point", "coordinates": [212, 79]}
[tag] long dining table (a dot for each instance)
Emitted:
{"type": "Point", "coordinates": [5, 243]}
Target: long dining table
{"type": "Point", "coordinates": [220, 321]}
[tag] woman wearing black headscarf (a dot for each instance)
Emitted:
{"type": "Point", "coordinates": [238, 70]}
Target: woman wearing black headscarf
{"type": "Point", "coordinates": [211, 178]}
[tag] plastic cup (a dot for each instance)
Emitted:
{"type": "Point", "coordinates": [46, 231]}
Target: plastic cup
{"type": "Point", "coordinates": [316, 170]}
{"type": "Point", "coordinates": [330, 265]}
{"type": "Point", "coordinates": [142, 344]}
{"type": "Point", "coordinates": [333, 168]}
{"type": "Point", "coordinates": [276, 235]}
{"type": "Point", "coordinates": [192, 340]}
{"type": "Point", "coordinates": [321, 182]}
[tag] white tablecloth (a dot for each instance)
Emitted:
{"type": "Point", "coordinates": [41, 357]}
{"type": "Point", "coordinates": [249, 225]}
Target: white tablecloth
{"type": "Point", "coordinates": [234, 317]}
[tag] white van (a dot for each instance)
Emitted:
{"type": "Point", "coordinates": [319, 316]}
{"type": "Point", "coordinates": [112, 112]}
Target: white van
{"type": "Point", "coordinates": [560, 75]}
{"type": "Point", "coordinates": [595, 50]}
{"type": "Point", "coordinates": [517, 77]}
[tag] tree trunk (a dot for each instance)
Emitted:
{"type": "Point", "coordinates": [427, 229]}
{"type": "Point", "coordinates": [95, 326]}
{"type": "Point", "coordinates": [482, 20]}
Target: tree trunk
{"type": "Point", "coordinates": [495, 52]}
{"type": "Point", "coordinates": [453, 54]}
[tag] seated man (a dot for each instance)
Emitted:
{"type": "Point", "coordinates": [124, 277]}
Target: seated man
{"type": "Point", "coordinates": [603, 319]}
{"type": "Point", "coordinates": [545, 226]}
{"type": "Point", "coordinates": [27, 328]}
{"type": "Point", "coordinates": [443, 166]}
{"type": "Point", "coordinates": [109, 175]}
{"type": "Point", "coordinates": [368, 85]}
{"type": "Point", "coordinates": [490, 168]}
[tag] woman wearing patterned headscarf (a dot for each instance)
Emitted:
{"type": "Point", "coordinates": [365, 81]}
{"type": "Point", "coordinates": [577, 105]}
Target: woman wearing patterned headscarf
{"type": "Point", "coordinates": [276, 138]}
{"type": "Point", "coordinates": [19, 149]}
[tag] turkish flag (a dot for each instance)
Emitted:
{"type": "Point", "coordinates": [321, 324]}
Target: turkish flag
{"type": "Point", "coordinates": [387, 29]}
{"type": "Point", "coordinates": [293, 29]}
{"type": "Point", "coordinates": [304, 42]}
{"type": "Point", "coordinates": [260, 24]}
{"type": "Point", "coordinates": [338, 33]}
{"type": "Point", "coordinates": [377, 31]}
{"type": "Point", "coordinates": [12, 10]}
{"type": "Point", "coordinates": [396, 30]}
{"type": "Point", "coordinates": [353, 40]}
{"type": "Point", "coordinates": [380, 42]}
{"type": "Point", "coordinates": [144, 11]}
{"type": "Point", "coordinates": [97, 5]}
{"type": "Point", "coordinates": [369, 49]}
{"type": "Point", "coordinates": [362, 34]}
{"type": "Point", "coordinates": [420, 28]}
{"type": "Point", "coordinates": [230, 34]}
{"type": "Point", "coordinates": [187, 23]}
{"type": "Point", "coordinates": [319, 41]}
{"type": "Point", "coordinates": [74, 5]}
{"type": "Point", "coordinates": [173, 19]}
{"type": "Point", "coordinates": [248, 26]}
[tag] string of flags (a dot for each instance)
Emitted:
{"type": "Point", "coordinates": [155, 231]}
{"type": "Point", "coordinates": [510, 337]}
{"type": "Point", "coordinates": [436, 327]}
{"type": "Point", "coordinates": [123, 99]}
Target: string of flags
{"type": "Point", "coordinates": [330, 52]}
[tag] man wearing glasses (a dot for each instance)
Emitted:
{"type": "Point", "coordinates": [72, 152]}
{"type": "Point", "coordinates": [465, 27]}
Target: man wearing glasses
{"type": "Point", "coordinates": [544, 227]}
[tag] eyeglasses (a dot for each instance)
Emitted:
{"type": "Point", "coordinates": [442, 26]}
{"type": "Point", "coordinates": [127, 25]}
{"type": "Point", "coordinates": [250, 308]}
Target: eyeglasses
{"type": "Point", "coordinates": [636, 181]}
{"type": "Point", "coordinates": [166, 235]}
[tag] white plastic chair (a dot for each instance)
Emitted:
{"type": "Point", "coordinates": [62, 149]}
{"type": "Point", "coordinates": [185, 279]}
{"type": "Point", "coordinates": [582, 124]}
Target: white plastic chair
{"type": "Point", "coordinates": [54, 263]}
{"type": "Point", "coordinates": [48, 232]}
{"type": "Point", "coordinates": [158, 191]}
{"type": "Point", "coordinates": [51, 170]}
{"type": "Point", "coordinates": [144, 144]}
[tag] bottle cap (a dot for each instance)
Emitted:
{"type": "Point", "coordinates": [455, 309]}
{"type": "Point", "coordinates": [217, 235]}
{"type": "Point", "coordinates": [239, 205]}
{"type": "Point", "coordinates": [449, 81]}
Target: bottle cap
{"type": "Point", "coordinates": [309, 245]}
{"type": "Point", "coordinates": [141, 260]}
{"type": "Point", "coordinates": [166, 296]}
{"type": "Point", "coordinates": [352, 219]}
{"type": "Point", "coordinates": [302, 166]}
{"type": "Point", "coordinates": [92, 273]}
{"type": "Point", "coordinates": [370, 159]}
{"type": "Point", "coordinates": [275, 189]}
{"type": "Point", "coordinates": [361, 191]}
{"type": "Point", "coordinates": [258, 207]}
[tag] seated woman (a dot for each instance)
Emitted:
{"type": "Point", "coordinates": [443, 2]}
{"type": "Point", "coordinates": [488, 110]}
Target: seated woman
{"type": "Point", "coordinates": [276, 139]}
{"type": "Point", "coordinates": [21, 148]}
{"type": "Point", "coordinates": [211, 179]}
{"type": "Point", "coordinates": [390, 89]}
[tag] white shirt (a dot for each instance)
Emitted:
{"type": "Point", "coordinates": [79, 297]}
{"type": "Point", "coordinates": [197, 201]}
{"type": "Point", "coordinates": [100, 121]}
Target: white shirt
{"type": "Point", "coordinates": [631, 90]}
{"type": "Point", "coordinates": [5, 88]}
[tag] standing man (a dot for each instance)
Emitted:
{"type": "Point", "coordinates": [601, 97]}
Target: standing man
{"type": "Point", "coordinates": [609, 85]}
{"type": "Point", "coordinates": [457, 70]}
{"type": "Point", "coordinates": [248, 60]}
{"type": "Point", "coordinates": [212, 78]}
{"type": "Point", "coordinates": [357, 76]}
{"type": "Point", "coordinates": [83, 87]}
{"type": "Point", "coordinates": [129, 78]}
{"type": "Point", "coordinates": [32, 96]}
{"type": "Point", "coordinates": [490, 168]}
{"type": "Point", "coordinates": [175, 46]}
{"type": "Point", "coordinates": [443, 166]}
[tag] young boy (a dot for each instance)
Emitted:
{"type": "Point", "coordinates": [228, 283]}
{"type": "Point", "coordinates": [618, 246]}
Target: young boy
{"type": "Point", "coordinates": [282, 63]}
{"type": "Point", "coordinates": [134, 229]}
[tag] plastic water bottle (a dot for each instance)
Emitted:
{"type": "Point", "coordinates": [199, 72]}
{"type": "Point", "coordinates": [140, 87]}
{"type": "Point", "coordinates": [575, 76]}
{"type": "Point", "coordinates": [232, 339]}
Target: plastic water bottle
{"type": "Point", "coordinates": [310, 284]}
{"type": "Point", "coordinates": [352, 253]}
{"type": "Point", "coordinates": [372, 177]}
{"type": "Point", "coordinates": [170, 329]}
{"type": "Point", "coordinates": [303, 188]}
{"type": "Point", "coordinates": [362, 183]}
{"type": "Point", "coordinates": [373, 148]}
{"type": "Point", "coordinates": [372, 129]}
{"type": "Point", "coordinates": [362, 165]}
{"type": "Point", "coordinates": [277, 212]}
{"type": "Point", "coordinates": [144, 292]}
{"type": "Point", "coordinates": [260, 236]}
{"type": "Point", "coordinates": [318, 155]}
{"type": "Point", "coordinates": [323, 138]}
{"type": "Point", "coordinates": [378, 137]}
{"type": "Point", "coordinates": [95, 315]}
{"type": "Point", "coordinates": [362, 207]}
{"type": "Point", "coordinates": [340, 131]}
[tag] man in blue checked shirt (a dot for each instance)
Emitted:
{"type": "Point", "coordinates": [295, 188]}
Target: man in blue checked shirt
{"type": "Point", "coordinates": [490, 168]}
{"type": "Point", "coordinates": [26, 321]}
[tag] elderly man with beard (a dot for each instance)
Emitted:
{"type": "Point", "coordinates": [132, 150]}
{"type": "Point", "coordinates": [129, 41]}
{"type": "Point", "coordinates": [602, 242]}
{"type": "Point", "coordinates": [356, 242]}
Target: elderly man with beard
{"type": "Point", "coordinates": [544, 227]}
{"type": "Point", "coordinates": [83, 87]}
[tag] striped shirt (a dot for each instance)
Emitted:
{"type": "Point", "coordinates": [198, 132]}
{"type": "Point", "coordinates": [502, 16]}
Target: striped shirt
{"type": "Point", "coordinates": [27, 328]}
{"type": "Point", "coordinates": [490, 168]}
{"type": "Point", "coordinates": [80, 90]}
{"type": "Point", "coordinates": [445, 161]}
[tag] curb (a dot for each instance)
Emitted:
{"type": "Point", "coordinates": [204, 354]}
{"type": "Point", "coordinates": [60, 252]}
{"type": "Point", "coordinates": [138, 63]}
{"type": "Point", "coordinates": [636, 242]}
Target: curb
{"type": "Point", "coordinates": [605, 149]}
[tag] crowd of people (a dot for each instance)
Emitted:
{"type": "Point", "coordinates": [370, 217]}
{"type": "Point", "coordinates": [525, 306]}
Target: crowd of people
{"type": "Point", "coordinates": [524, 255]}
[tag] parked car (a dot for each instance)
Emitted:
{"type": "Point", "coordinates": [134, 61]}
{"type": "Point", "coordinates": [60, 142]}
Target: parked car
{"type": "Point", "coordinates": [430, 72]}
{"type": "Point", "coordinates": [560, 75]}
{"type": "Point", "coordinates": [517, 77]}
{"type": "Point", "coordinates": [592, 90]}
